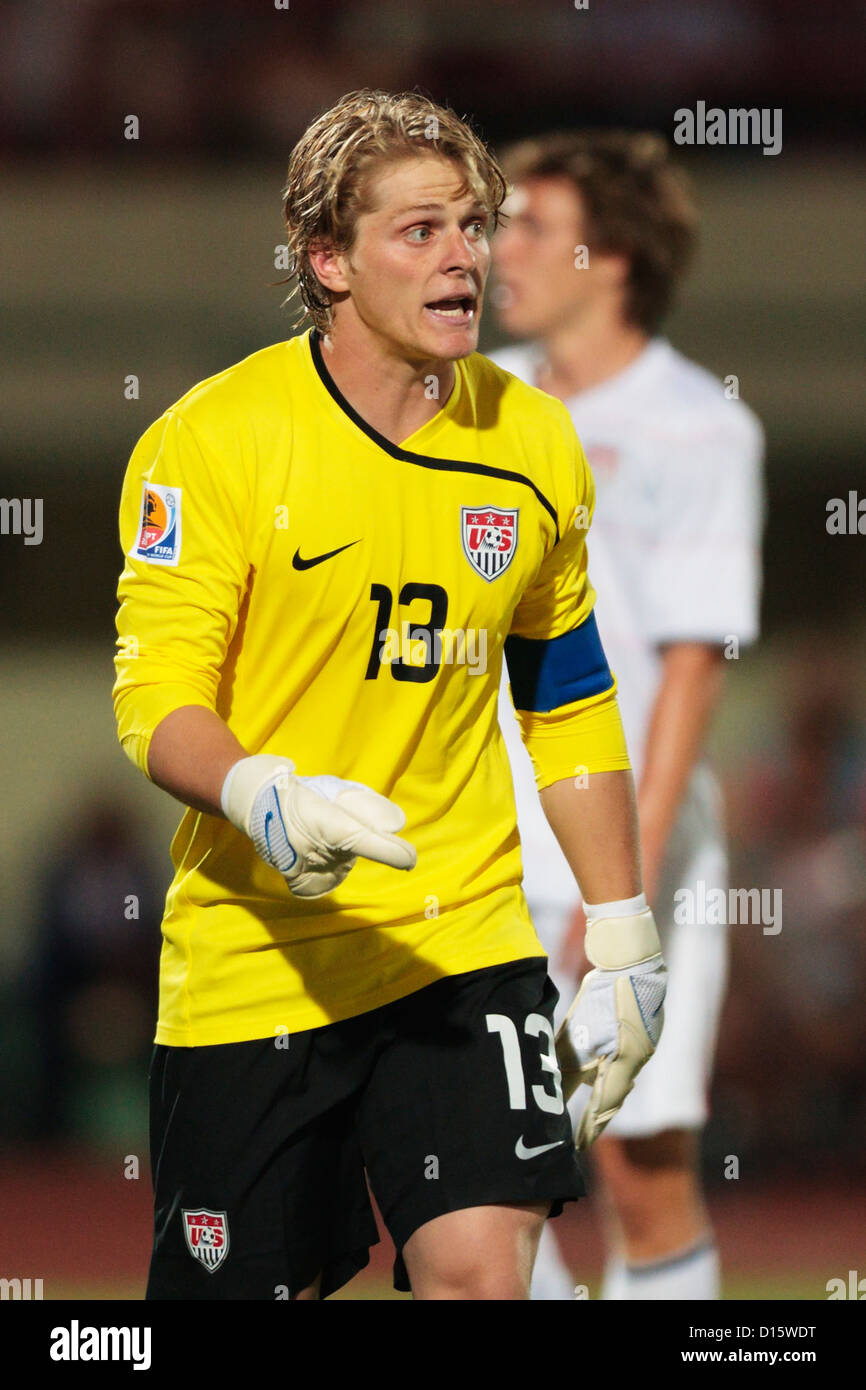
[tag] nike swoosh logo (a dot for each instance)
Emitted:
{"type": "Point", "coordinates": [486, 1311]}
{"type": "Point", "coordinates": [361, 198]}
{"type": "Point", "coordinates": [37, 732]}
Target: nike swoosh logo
{"type": "Point", "coordinates": [300, 564]}
{"type": "Point", "coordinates": [523, 1152]}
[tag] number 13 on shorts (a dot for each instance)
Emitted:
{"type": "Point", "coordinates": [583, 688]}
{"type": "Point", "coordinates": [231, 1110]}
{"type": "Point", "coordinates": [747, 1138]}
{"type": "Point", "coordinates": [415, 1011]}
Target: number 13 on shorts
{"type": "Point", "coordinates": [535, 1026]}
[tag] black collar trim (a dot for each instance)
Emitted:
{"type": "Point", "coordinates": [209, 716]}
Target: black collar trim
{"type": "Point", "coordinates": [405, 455]}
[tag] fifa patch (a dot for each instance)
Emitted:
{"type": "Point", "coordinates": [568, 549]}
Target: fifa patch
{"type": "Point", "coordinates": [207, 1236]}
{"type": "Point", "coordinates": [489, 536]}
{"type": "Point", "coordinates": [159, 532]}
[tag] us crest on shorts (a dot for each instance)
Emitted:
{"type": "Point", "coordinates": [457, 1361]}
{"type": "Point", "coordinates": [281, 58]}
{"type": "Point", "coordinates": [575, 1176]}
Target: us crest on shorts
{"type": "Point", "coordinates": [207, 1236]}
{"type": "Point", "coordinates": [489, 536]}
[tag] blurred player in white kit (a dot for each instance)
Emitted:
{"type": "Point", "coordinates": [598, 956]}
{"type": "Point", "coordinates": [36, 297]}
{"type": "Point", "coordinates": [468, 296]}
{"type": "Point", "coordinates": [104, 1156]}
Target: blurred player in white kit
{"type": "Point", "coordinates": [601, 228]}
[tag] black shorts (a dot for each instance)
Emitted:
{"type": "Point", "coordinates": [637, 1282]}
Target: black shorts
{"type": "Point", "coordinates": [449, 1098]}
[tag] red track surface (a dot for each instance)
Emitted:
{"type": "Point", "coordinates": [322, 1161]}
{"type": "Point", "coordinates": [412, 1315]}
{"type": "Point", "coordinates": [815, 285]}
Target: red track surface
{"type": "Point", "coordinates": [71, 1220]}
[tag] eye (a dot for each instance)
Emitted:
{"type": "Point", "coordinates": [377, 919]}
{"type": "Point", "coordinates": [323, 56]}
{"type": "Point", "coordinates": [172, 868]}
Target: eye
{"type": "Point", "coordinates": [477, 227]}
{"type": "Point", "coordinates": [413, 234]}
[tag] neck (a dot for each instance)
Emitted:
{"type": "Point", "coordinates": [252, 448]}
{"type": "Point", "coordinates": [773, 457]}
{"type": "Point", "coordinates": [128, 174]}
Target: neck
{"type": "Point", "coordinates": [392, 395]}
{"type": "Point", "coordinates": [583, 353]}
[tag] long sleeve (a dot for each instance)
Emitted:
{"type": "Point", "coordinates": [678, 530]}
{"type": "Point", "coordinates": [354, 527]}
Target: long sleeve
{"type": "Point", "coordinates": [182, 523]}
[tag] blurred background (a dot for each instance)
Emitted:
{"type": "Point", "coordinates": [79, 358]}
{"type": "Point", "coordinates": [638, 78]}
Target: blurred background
{"type": "Point", "coordinates": [133, 268]}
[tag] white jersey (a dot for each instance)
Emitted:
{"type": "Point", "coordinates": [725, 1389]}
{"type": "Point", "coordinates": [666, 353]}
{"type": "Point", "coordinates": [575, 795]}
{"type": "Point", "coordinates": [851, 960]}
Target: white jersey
{"type": "Point", "coordinates": [674, 555]}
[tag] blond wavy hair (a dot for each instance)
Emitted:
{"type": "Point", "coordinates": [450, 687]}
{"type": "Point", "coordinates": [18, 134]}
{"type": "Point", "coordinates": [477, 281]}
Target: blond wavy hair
{"type": "Point", "coordinates": [328, 185]}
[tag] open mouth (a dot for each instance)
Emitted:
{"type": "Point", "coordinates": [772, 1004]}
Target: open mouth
{"type": "Point", "coordinates": [458, 308]}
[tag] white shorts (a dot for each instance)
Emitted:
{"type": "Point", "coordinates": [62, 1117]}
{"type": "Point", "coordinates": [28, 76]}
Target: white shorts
{"type": "Point", "coordinates": [671, 1091]}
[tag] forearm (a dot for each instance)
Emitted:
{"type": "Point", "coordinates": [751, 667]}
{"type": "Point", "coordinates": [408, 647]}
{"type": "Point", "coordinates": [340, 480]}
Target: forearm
{"type": "Point", "coordinates": [596, 826]}
{"type": "Point", "coordinates": [687, 698]}
{"type": "Point", "coordinates": [190, 754]}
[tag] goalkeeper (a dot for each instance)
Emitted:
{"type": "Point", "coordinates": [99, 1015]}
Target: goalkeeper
{"type": "Point", "coordinates": [350, 981]}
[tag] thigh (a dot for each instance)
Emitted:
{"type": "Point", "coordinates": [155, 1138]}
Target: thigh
{"type": "Point", "coordinates": [476, 1253]}
{"type": "Point", "coordinates": [258, 1177]}
{"type": "Point", "coordinates": [464, 1107]}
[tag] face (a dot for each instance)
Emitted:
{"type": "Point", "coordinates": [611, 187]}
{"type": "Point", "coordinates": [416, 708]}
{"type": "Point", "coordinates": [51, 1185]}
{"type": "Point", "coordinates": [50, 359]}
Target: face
{"type": "Point", "coordinates": [538, 286]}
{"type": "Point", "coordinates": [418, 265]}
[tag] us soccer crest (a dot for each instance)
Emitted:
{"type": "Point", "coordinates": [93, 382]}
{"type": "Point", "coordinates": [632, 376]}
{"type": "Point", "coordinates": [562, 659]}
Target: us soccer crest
{"type": "Point", "coordinates": [489, 536]}
{"type": "Point", "coordinates": [207, 1236]}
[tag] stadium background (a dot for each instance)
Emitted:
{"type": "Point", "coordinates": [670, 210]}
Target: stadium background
{"type": "Point", "coordinates": [154, 258]}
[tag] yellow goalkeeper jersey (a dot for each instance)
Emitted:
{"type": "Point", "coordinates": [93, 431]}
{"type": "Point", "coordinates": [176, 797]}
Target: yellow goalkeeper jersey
{"type": "Point", "coordinates": [344, 602]}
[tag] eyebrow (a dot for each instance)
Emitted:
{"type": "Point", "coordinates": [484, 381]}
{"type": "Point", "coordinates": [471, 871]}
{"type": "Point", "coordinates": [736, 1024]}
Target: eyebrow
{"type": "Point", "coordinates": [475, 206]}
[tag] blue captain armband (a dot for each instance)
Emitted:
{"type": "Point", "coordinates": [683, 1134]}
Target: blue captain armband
{"type": "Point", "coordinates": [549, 672]}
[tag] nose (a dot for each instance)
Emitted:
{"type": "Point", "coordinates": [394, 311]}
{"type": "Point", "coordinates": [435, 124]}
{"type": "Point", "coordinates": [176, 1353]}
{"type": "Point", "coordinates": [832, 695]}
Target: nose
{"type": "Point", "coordinates": [459, 253]}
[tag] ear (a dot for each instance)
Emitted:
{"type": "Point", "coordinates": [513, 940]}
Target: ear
{"type": "Point", "coordinates": [329, 266]}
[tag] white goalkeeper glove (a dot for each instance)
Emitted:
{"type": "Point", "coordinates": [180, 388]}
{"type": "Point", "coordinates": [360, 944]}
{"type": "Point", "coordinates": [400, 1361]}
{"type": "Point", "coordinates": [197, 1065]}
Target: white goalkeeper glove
{"type": "Point", "coordinates": [614, 1024]}
{"type": "Point", "coordinates": [312, 829]}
